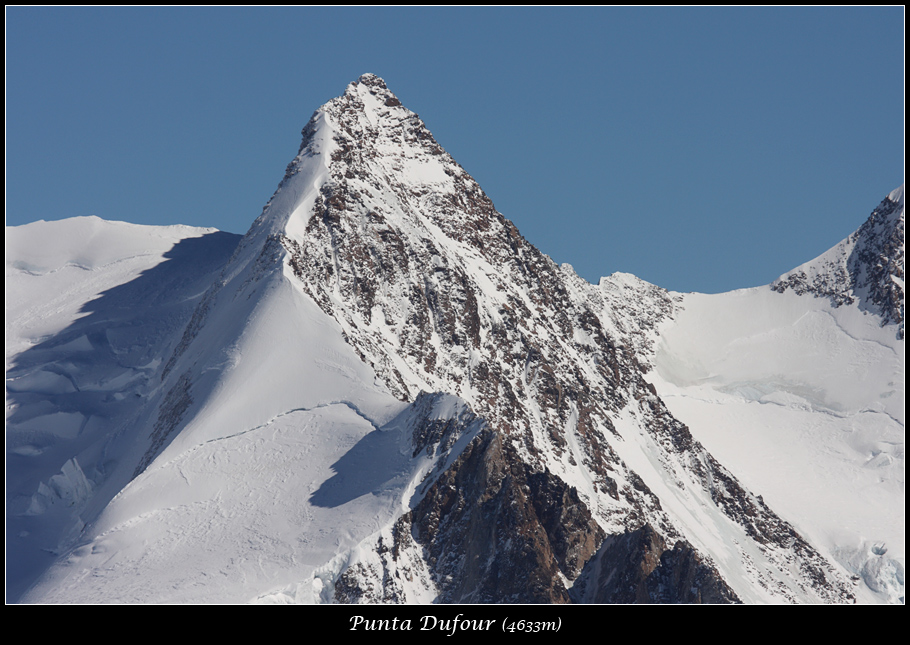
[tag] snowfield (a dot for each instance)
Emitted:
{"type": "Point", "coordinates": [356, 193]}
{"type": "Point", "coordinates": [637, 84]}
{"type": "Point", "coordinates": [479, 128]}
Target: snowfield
{"type": "Point", "coordinates": [805, 403]}
{"type": "Point", "coordinates": [92, 307]}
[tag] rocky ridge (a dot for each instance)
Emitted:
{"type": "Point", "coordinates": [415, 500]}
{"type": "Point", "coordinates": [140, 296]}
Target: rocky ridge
{"type": "Point", "coordinates": [867, 267]}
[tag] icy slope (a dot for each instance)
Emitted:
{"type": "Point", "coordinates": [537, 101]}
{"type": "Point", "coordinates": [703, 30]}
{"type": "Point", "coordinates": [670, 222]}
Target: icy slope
{"type": "Point", "coordinates": [54, 268]}
{"type": "Point", "coordinates": [272, 514]}
{"type": "Point", "coordinates": [803, 398]}
{"type": "Point", "coordinates": [261, 374]}
{"type": "Point", "coordinates": [289, 459]}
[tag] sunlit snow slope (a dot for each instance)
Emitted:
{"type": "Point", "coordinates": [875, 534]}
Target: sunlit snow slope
{"type": "Point", "coordinates": [259, 451]}
{"type": "Point", "coordinates": [287, 463]}
{"type": "Point", "coordinates": [802, 396]}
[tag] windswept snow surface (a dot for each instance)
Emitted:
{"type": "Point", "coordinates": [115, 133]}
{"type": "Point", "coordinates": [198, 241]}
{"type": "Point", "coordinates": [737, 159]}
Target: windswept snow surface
{"type": "Point", "coordinates": [54, 268]}
{"type": "Point", "coordinates": [279, 507]}
{"type": "Point", "coordinates": [805, 403]}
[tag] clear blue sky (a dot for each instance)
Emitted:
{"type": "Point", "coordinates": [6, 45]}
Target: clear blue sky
{"type": "Point", "coordinates": [701, 149]}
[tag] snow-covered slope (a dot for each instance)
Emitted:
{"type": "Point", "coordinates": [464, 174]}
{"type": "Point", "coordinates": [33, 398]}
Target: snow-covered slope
{"type": "Point", "coordinates": [386, 394]}
{"type": "Point", "coordinates": [799, 390]}
{"type": "Point", "coordinates": [91, 309]}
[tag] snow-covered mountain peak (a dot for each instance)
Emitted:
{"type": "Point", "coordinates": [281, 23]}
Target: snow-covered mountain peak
{"type": "Point", "coordinates": [375, 86]}
{"type": "Point", "coordinates": [799, 389]}
{"type": "Point", "coordinates": [368, 101]}
{"type": "Point", "coordinates": [436, 291]}
{"type": "Point", "coordinates": [372, 80]}
{"type": "Point", "coordinates": [387, 394]}
{"type": "Point", "coordinates": [353, 148]}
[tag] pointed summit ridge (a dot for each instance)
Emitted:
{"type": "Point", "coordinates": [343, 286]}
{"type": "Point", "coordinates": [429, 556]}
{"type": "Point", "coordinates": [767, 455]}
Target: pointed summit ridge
{"type": "Point", "coordinates": [361, 140]}
{"type": "Point", "coordinates": [372, 80]}
{"type": "Point", "coordinates": [377, 88]}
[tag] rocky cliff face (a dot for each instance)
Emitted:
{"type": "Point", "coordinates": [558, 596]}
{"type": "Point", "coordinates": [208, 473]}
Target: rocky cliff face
{"type": "Point", "coordinates": [436, 291]}
{"type": "Point", "coordinates": [491, 531]}
{"type": "Point", "coordinates": [637, 567]}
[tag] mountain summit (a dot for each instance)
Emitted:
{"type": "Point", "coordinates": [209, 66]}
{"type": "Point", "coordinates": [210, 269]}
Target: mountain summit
{"type": "Point", "coordinates": [386, 394]}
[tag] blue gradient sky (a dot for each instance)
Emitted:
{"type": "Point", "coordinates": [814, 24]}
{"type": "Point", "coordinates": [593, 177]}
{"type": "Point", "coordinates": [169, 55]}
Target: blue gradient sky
{"type": "Point", "coordinates": [701, 149]}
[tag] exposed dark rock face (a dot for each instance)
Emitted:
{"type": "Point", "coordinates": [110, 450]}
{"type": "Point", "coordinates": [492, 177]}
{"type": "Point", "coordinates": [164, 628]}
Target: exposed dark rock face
{"type": "Point", "coordinates": [877, 260]}
{"type": "Point", "coordinates": [637, 567]}
{"type": "Point", "coordinates": [175, 404]}
{"type": "Point", "coordinates": [491, 532]}
{"type": "Point", "coordinates": [496, 533]}
{"type": "Point", "coordinates": [683, 576]}
{"type": "Point", "coordinates": [383, 584]}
